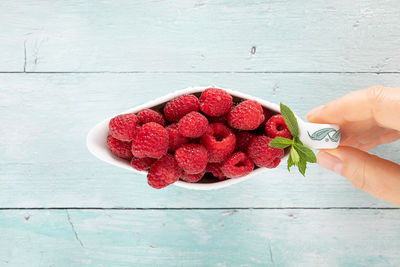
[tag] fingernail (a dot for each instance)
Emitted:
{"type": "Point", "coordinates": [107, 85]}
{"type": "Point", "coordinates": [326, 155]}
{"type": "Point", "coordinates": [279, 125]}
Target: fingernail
{"type": "Point", "coordinates": [314, 111]}
{"type": "Point", "coordinates": [330, 162]}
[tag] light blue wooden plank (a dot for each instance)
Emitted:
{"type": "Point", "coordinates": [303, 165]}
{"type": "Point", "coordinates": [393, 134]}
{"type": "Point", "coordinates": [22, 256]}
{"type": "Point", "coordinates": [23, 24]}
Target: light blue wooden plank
{"type": "Point", "coordinates": [200, 238]}
{"type": "Point", "coordinates": [200, 35]}
{"type": "Point", "coordinates": [45, 118]}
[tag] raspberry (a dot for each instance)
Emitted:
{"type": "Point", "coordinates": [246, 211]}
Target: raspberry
{"type": "Point", "coordinates": [150, 141]}
{"type": "Point", "coordinates": [123, 127]}
{"type": "Point", "coordinates": [148, 115]}
{"type": "Point", "coordinates": [276, 126]}
{"type": "Point", "coordinates": [273, 164]}
{"type": "Point", "coordinates": [219, 141]}
{"type": "Point", "coordinates": [242, 140]}
{"type": "Point", "coordinates": [178, 107]}
{"type": "Point", "coordinates": [163, 172]}
{"type": "Point", "coordinates": [193, 125]}
{"type": "Point", "coordinates": [248, 115]}
{"type": "Point", "coordinates": [175, 138]}
{"type": "Point", "coordinates": [192, 158]}
{"type": "Point", "coordinates": [142, 164]}
{"type": "Point", "coordinates": [267, 115]}
{"type": "Point", "coordinates": [119, 148]}
{"type": "Point", "coordinates": [237, 165]}
{"type": "Point", "coordinates": [215, 102]}
{"type": "Point", "coordinates": [261, 153]}
{"type": "Point", "coordinates": [215, 169]}
{"type": "Point", "coordinates": [192, 178]}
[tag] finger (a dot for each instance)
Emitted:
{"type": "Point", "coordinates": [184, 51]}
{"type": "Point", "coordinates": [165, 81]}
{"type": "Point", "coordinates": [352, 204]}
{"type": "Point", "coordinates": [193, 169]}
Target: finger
{"type": "Point", "coordinates": [364, 138]}
{"type": "Point", "coordinates": [370, 173]}
{"type": "Point", "coordinates": [387, 137]}
{"type": "Point", "coordinates": [361, 109]}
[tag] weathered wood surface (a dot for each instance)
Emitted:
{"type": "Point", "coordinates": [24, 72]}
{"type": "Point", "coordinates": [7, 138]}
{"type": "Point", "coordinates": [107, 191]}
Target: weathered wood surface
{"type": "Point", "coordinates": [200, 238]}
{"type": "Point", "coordinates": [44, 161]}
{"type": "Point", "coordinates": [200, 35]}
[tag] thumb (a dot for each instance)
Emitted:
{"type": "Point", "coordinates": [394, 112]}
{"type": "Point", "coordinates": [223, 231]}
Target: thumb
{"type": "Point", "coordinates": [372, 174]}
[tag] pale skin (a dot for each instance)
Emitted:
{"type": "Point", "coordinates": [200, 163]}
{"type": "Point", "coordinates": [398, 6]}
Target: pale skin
{"type": "Point", "coordinates": [367, 118]}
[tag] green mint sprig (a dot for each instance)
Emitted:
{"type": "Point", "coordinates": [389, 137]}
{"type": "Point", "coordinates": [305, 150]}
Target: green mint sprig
{"type": "Point", "coordinates": [299, 154]}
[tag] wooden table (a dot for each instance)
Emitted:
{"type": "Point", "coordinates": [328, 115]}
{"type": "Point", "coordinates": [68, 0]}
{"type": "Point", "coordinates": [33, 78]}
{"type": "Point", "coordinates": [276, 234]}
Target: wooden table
{"type": "Point", "coordinates": [65, 65]}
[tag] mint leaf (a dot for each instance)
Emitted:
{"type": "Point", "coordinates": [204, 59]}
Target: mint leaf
{"type": "Point", "coordinates": [297, 140]}
{"type": "Point", "coordinates": [290, 162]}
{"type": "Point", "coordinates": [295, 156]}
{"type": "Point", "coordinates": [290, 120]}
{"type": "Point", "coordinates": [280, 142]}
{"type": "Point", "coordinates": [305, 153]}
{"type": "Point", "coordinates": [302, 167]}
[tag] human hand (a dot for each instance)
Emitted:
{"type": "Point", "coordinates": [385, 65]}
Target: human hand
{"type": "Point", "coordinates": [367, 118]}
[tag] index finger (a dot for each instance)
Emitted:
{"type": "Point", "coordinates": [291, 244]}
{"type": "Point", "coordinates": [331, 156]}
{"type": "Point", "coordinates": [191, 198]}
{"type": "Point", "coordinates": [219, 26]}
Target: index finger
{"type": "Point", "coordinates": [362, 109]}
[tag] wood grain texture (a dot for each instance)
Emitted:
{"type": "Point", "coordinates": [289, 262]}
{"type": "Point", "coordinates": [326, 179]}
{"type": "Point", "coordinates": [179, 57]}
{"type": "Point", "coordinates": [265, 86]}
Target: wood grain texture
{"type": "Point", "coordinates": [200, 35]}
{"type": "Point", "coordinates": [44, 161]}
{"type": "Point", "coordinates": [200, 238]}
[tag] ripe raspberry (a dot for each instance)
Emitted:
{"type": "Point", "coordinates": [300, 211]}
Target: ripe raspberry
{"type": "Point", "coordinates": [261, 153]}
{"type": "Point", "coordinates": [193, 125]}
{"type": "Point", "coordinates": [276, 126]}
{"type": "Point", "coordinates": [215, 169]}
{"type": "Point", "coordinates": [178, 107]}
{"type": "Point", "coordinates": [273, 164]}
{"type": "Point", "coordinates": [192, 178]}
{"type": "Point", "coordinates": [215, 102]}
{"type": "Point", "coordinates": [142, 164]}
{"type": "Point", "coordinates": [243, 139]}
{"type": "Point", "coordinates": [175, 138]}
{"type": "Point", "coordinates": [123, 127]}
{"type": "Point", "coordinates": [237, 165]}
{"type": "Point", "coordinates": [248, 115]}
{"type": "Point", "coordinates": [119, 148]}
{"type": "Point", "coordinates": [163, 172]}
{"type": "Point", "coordinates": [192, 158]}
{"type": "Point", "coordinates": [150, 141]}
{"type": "Point", "coordinates": [267, 115]}
{"type": "Point", "coordinates": [148, 115]}
{"type": "Point", "coordinates": [219, 141]}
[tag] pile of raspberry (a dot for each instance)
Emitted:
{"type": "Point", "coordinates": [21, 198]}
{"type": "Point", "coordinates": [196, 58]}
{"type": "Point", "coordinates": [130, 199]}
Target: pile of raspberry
{"type": "Point", "coordinates": [192, 137]}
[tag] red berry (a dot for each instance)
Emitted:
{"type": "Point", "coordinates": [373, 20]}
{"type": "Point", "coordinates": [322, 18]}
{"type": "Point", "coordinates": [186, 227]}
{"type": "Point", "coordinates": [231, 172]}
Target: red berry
{"type": "Point", "coordinates": [273, 164]}
{"type": "Point", "coordinates": [175, 138]}
{"type": "Point", "coordinates": [267, 115]}
{"type": "Point", "coordinates": [237, 165]}
{"type": "Point", "coordinates": [248, 115]}
{"type": "Point", "coordinates": [163, 172]}
{"type": "Point", "coordinates": [215, 169]}
{"type": "Point", "coordinates": [119, 148]}
{"type": "Point", "coordinates": [261, 153]}
{"type": "Point", "coordinates": [192, 178]}
{"type": "Point", "coordinates": [193, 125]}
{"type": "Point", "coordinates": [276, 126]}
{"type": "Point", "coordinates": [242, 140]}
{"type": "Point", "coordinates": [215, 102]}
{"type": "Point", "coordinates": [142, 164]}
{"type": "Point", "coordinates": [219, 141]}
{"type": "Point", "coordinates": [148, 115]}
{"type": "Point", "coordinates": [150, 141]}
{"type": "Point", "coordinates": [178, 107]}
{"type": "Point", "coordinates": [123, 127]}
{"type": "Point", "coordinates": [192, 158]}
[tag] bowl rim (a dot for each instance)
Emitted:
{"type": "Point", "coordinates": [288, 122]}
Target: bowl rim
{"type": "Point", "coordinates": [94, 144]}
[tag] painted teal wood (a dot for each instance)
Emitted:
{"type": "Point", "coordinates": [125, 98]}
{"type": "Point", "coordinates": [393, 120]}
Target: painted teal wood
{"type": "Point", "coordinates": [44, 161]}
{"type": "Point", "coordinates": [200, 35]}
{"type": "Point", "coordinates": [200, 238]}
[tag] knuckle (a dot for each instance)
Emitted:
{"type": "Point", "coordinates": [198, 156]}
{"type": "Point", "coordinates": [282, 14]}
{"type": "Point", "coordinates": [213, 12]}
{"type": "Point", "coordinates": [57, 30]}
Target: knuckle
{"type": "Point", "coordinates": [375, 94]}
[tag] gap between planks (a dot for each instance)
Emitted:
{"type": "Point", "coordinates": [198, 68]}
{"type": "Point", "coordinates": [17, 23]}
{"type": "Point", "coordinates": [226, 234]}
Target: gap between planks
{"type": "Point", "coordinates": [200, 72]}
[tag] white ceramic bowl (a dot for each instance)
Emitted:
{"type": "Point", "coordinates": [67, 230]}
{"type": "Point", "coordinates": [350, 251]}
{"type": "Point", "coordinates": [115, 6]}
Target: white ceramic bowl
{"type": "Point", "coordinates": [313, 135]}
